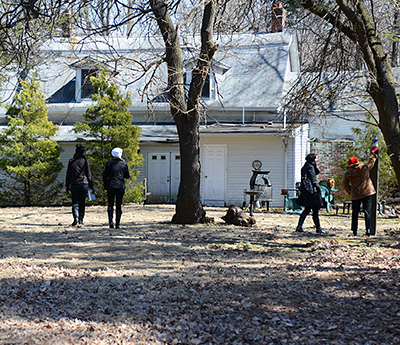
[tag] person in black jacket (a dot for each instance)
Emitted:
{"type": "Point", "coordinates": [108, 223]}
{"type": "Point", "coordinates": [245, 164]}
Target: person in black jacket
{"type": "Point", "coordinates": [115, 173]}
{"type": "Point", "coordinates": [311, 201]}
{"type": "Point", "coordinates": [78, 181]}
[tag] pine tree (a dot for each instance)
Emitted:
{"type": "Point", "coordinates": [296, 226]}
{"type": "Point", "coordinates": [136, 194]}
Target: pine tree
{"type": "Point", "coordinates": [108, 124]}
{"type": "Point", "coordinates": [29, 159]}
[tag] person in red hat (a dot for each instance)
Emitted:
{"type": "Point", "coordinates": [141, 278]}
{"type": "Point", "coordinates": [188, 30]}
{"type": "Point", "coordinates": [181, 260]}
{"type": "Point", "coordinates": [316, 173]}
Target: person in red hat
{"type": "Point", "coordinates": [358, 184]}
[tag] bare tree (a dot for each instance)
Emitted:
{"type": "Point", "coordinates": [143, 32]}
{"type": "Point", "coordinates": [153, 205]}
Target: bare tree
{"type": "Point", "coordinates": [187, 114]}
{"type": "Point", "coordinates": [351, 31]}
{"type": "Point", "coordinates": [24, 26]}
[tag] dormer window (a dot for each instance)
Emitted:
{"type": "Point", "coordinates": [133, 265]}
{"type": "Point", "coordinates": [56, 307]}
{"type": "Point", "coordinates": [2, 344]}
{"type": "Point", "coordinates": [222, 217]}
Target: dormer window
{"type": "Point", "coordinates": [85, 68]}
{"type": "Point", "coordinates": [215, 76]}
{"type": "Point", "coordinates": [208, 91]}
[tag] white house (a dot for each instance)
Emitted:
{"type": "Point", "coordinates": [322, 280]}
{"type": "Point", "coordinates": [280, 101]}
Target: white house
{"type": "Point", "coordinates": [242, 122]}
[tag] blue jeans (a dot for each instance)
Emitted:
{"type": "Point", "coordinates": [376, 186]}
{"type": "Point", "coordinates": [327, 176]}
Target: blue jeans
{"type": "Point", "coordinates": [79, 192]}
{"type": "Point", "coordinates": [356, 205]}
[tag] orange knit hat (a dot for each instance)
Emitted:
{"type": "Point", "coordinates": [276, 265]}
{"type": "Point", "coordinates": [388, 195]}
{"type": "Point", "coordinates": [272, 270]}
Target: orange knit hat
{"type": "Point", "coordinates": [352, 160]}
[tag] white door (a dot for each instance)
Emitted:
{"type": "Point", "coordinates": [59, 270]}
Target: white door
{"type": "Point", "coordinates": [214, 175]}
{"type": "Point", "coordinates": [163, 175]}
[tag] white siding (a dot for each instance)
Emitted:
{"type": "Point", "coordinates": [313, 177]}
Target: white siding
{"type": "Point", "coordinates": [299, 152]}
{"type": "Point", "coordinates": [65, 156]}
{"type": "Point", "coordinates": [242, 150]}
{"type": "Point", "coordinates": [333, 127]}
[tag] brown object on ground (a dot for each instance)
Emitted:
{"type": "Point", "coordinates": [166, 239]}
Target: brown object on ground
{"type": "Point", "coordinates": [153, 282]}
{"type": "Point", "coordinates": [236, 216]}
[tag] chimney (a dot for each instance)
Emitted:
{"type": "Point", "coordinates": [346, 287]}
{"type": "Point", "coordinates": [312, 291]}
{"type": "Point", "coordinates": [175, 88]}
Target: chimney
{"type": "Point", "coordinates": [66, 24]}
{"type": "Point", "coordinates": [278, 21]}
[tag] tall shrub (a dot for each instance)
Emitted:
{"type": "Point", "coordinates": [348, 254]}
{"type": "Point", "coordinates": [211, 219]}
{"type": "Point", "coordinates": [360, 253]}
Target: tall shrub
{"type": "Point", "coordinates": [29, 159]}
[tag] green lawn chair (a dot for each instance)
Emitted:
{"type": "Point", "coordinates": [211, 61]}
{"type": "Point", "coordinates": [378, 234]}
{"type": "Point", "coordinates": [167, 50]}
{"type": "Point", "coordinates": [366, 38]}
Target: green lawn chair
{"type": "Point", "coordinates": [328, 197]}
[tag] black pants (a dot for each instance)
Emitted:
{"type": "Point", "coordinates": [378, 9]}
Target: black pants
{"type": "Point", "coordinates": [78, 193]}
{"type": "Point", "coordinates": [116, 194]}
{"type": "Point", "coordinates": [356, 204]}
{"type": "Point", "coordinates": [315, 216]}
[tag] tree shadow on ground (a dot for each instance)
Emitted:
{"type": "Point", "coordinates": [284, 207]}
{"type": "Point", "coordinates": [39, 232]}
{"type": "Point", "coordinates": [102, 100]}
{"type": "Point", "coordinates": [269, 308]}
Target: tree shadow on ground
{"type": "Point", "coordinates": [221, 306]}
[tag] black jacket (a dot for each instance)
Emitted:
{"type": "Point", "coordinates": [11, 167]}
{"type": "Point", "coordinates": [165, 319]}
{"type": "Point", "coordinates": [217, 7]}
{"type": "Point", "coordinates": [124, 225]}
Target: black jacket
{"type": "Point", "coordinates": [115, 172]}
{"type": "Point", "coordinates": [78, 171]}
{"type": "Point", "coordinates": [312, 200]}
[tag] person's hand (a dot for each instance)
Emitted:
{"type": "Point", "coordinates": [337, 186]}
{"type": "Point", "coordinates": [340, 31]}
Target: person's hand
{"type": "Point", "coordinates": [67, 189]}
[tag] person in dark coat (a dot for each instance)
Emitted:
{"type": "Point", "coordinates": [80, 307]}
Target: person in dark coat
{"type": "Point", "coordinates": [311, 201]}
{"type": "Point", "coordinates": [114, 175]}
{"type": "Point", "coordinates": [358, 184]}
{"type": "Point", "coordinates": [78, 181]}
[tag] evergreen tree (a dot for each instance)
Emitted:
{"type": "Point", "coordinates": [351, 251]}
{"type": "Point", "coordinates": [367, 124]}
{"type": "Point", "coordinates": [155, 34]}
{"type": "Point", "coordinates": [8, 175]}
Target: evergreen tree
{"type": "Point", "coordinates": [361, 149]}
{"type": "Point", "coordinates": [108, 124]}
{"type": "Point", "coordinates": [29, 160]}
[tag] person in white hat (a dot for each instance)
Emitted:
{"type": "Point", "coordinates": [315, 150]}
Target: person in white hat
{"type": "Point", "coordinates": [114, 175]}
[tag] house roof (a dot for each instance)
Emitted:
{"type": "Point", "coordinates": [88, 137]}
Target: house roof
{"type": "Point", "coordinates": [269, 128]}
{"type": "Point", "coordinates": [169, 134]}
{"type": "Point", "coordinates": [255, 68]}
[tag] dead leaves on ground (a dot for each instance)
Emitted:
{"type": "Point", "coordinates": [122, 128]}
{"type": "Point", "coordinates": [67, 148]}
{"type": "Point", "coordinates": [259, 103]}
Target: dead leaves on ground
{"type": "Point", "coordinates": [215, 285]}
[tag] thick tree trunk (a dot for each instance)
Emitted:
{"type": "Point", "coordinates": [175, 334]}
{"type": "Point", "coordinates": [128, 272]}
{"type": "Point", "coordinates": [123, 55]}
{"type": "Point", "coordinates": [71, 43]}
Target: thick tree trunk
{"type": "Point", "coordinates": [384, 96]}
{"type": "Point", "coordinates": [189, 209]}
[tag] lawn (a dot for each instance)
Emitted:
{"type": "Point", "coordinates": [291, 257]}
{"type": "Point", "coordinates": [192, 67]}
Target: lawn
{"type": "Point", "coordinates": [153, 282]}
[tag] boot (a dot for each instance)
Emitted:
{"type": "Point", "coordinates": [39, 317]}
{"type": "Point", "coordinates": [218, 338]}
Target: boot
{"type": "Point", "coordinates": [320, 231]}
{"type": "Point", "coordinates": [75, 214]}
{"type": "Point", "coordinates": [301, 222]}
{"type": "Point", "coordinates": [110, 217]}
{"type": "Point", "coordinates": [81, 216]}
{"type": "Point", "coordinates": [118, 218]}
{"type": "Point", "coordinates": [318, 226]}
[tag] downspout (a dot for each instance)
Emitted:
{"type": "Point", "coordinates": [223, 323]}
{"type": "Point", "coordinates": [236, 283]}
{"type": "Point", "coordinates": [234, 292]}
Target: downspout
{"type": "Point", "coordinates": [284, 119]}
{"type": "Point", "coordinates": [285, 142]}
{"type": "Point", "coordinates": [242, 116]}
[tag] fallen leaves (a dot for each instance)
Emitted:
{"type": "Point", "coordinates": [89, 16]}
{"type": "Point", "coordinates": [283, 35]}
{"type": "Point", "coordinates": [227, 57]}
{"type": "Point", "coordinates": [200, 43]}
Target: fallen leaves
{"type": "Point", "coordinates": [153, 282]}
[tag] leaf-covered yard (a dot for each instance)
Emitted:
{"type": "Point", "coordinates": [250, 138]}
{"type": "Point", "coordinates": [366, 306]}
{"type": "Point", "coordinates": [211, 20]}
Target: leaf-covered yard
{"type": "Point", "coordinates": [153, 282]}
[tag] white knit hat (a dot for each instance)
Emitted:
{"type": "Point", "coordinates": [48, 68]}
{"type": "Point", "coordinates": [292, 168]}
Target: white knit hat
{"type": "Point", "coordinates": [117, 152]}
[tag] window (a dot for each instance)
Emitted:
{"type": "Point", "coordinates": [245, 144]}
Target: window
{"type": "Point", "coordinates": [208, 91]}
{"type": "Point", "coordinates": [86, 86]}
{"type": "Point", "coordinates": [85, 68]}
{"type": "Point", "coordinates": [215, 76]}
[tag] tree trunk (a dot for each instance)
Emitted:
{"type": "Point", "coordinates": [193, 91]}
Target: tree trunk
{"type": "Point", "coordinates": [189, 209]}
{"type": "Point", "coordinates": [396, 36]}
{"type": "Point", "coordinates": [384, 96]}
